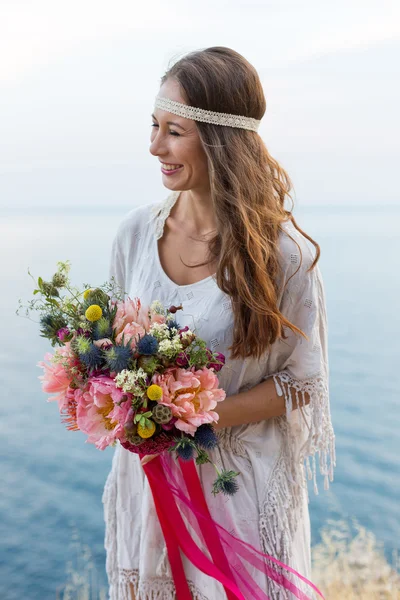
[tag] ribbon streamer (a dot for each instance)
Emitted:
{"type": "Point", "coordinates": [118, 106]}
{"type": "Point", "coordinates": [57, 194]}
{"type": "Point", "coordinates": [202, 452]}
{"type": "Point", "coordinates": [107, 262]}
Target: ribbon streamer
{"type": "Point", "coordinates": [168, 480]}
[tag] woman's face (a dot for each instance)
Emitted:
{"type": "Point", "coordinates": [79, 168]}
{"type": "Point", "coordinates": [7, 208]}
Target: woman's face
{"type": "Point", "coordinates": [178, 143]}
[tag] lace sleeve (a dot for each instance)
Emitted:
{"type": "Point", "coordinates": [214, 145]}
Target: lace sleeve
{"type": "Point", "coordinates": [305, 370]}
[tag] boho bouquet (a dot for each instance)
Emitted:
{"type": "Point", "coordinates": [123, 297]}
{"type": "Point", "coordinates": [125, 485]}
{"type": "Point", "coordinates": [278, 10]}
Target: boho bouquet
{"type": "Point", "coordinates": [128, 373]}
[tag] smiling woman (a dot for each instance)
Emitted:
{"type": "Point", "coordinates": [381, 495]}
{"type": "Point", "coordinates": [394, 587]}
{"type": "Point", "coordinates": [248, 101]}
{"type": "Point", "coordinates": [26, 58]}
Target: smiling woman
{"type": "Point", "coordinates": [253, 292]}
{"type": "Point", "coordinates": [183, 149]}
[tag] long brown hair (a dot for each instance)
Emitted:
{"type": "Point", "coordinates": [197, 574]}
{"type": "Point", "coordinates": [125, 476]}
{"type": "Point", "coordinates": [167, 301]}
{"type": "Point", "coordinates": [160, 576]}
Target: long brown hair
{"type": "Point", "coordinates": [248, 190]}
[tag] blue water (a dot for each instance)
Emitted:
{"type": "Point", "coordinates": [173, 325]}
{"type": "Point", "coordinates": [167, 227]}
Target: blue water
{"type": "Point", "coordinates": [52, 481]}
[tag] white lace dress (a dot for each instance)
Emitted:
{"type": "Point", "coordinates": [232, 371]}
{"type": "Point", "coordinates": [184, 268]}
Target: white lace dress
{"type": "Point", "coordinates": [274, 456]}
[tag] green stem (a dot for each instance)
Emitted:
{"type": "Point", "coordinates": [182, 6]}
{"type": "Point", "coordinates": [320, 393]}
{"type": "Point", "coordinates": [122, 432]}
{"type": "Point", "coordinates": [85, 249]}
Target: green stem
{"type": "Point", "coordinates": [72, 294]}
{"type": "Point", "coordinates": [216, 468]}
{"type": "Point", "coordinates": [69, 314]}
{"type": "Point", "coordinates": [30, 274]}
{"type": "Point", "coordinates": [29, 319]}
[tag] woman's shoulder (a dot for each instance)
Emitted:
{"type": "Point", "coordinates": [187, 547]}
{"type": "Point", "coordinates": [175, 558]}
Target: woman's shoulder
{"type": "Point", "coordinates": [135, 218]}
{"type": "Point", "coordinates": [160, 212]}
{"type": "Point", "coordinates": [136, 222]}
{"type": "Point", "coordinates": [294, 247]}
{"type": "Point", "coordinates": [292, 242]}
{"type": "Point", "coordinates": [141, 217]}
{"type": "Point", "coordinates": [296, 255]}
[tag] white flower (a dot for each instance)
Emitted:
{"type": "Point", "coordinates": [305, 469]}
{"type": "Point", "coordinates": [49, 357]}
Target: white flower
{"type": "Point", "coordinates": [187, 334]}
{"type": "Point", "coordinates": [170, 348]}
{"type": "Point", "coordinates": [160, 331]}
{"type": "Point", "coordinates": [157, 307]}
{"type": "Point", "coordinates": [131, 381]}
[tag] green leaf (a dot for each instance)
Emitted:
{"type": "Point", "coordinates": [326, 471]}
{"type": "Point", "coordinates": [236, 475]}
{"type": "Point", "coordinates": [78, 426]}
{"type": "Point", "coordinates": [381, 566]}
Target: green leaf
{"type": "Point", "coordinates": [54, 302]}
{"type": "Point", "coordinates": [40, 282]}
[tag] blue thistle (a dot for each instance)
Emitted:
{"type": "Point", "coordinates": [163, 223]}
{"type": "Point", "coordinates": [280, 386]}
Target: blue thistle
{"type": "Point", "coordinates": [50, 324]}
{"type": "Point", "coordinates": [185, 448]}
{"type": "Point", "coordinates": [147, 345]}
{"type": "Point", "coordinates": [118, 358]}
{"type": "Point", "coordinates": [93, 358]}
{"type": "Point", "coordinates": [173, 323]}
{"type": "Point", "coordinates": [205, 436]}
{"type": "Point", "coordinates": [225, 483]}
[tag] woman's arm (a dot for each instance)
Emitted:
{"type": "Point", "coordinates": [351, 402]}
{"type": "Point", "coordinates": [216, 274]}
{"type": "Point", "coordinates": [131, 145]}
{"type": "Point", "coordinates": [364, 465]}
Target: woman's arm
{"type": "Point", "coordinates": [250, 406]}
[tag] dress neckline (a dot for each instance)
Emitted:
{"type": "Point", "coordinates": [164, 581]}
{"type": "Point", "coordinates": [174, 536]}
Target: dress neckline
{"type": "Point", "coordinates": [161, 214]}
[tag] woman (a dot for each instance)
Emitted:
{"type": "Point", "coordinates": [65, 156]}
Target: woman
{"type": "Point", "coordinates": [223, 245]}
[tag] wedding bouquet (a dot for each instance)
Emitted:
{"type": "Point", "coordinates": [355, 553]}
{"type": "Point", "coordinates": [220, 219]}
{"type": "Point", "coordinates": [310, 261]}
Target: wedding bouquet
{"type": "Point", "coordinates": [128, 373]}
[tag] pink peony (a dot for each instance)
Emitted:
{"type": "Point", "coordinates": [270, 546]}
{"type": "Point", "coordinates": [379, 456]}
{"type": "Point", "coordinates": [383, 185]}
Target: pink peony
{"type": "Point", "coordinates": [56, 379]}
{"type": "Point", "coordinates": [191, 395]}
{"type": "Point", "coordinates": [68, 411]}
{"type": "Point", "coordinates": [146, 320]}
{"type": "Point", "coordinates": [98, 413]}
{"type": "Point", "coordinates": [127, 312]}
{"type": "Point", "coordinates": [131, 332]}
{"type": "Point", "coordinates": [157, 318]}
{"type": "Point", "coordinates": [103, 343]}
{"type": "Point", "coordinates": [133, 320]}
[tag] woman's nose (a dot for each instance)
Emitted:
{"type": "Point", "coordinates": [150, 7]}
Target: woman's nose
{"type": "Point", "coordinates": [157, 145]}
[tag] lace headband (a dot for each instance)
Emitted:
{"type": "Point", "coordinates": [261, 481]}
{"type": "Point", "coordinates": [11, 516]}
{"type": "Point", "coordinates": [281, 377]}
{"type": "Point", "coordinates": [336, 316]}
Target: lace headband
{"type": "Point", "coordinates": [208, 116]}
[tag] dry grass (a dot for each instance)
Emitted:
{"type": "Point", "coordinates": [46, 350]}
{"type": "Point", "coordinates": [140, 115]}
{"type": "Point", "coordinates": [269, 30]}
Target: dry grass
{"type": "Point", "coordinates": [82, 577]}
{"type": "Point", "coordinates": [346, 566]}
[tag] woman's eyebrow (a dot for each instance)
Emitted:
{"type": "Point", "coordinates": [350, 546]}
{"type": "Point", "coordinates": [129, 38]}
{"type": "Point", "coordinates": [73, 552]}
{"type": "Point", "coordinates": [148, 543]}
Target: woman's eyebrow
{"type": "Point", "coordinates": [171, 123]}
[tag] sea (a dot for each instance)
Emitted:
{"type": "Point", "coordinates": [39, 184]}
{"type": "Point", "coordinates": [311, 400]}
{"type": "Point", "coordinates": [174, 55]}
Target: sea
{"type": "Point", "coordinates": [51, 513]}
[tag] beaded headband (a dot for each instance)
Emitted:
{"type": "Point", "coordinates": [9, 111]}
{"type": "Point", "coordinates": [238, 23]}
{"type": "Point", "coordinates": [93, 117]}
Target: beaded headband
{"type": "Point", "coordinates": [208, 116]}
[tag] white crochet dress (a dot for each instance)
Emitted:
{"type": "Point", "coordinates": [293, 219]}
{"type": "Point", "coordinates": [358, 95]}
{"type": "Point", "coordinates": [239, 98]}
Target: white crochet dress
{"type": "Point", "coordinates": [274, 456]}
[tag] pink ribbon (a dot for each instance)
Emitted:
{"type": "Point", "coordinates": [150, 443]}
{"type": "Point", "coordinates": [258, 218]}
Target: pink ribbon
{"type": "Point", "coordinates": [168, 483]}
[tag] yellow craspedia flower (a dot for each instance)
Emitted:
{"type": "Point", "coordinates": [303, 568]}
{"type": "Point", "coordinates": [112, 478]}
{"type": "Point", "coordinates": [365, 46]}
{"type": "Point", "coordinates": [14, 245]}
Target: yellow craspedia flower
{"type": "Point", "coordinates": [94, 313]}
{"type": "Point", "coordinates": [87, 292]}
{"type": "Point", "coordinates": [146, 432]}
{"type": "Point", "coordinates": [154, 392]}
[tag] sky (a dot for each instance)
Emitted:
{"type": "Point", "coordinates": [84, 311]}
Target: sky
{"type": "Point", "coordinates": [78, 81]}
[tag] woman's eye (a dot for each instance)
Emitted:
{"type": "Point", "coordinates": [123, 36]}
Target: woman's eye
{"type": "Point", "coordinates": [171, 132]}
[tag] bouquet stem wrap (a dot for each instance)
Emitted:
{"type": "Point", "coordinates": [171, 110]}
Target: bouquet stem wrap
{"type": "Point", "coordinates": [177, 492]}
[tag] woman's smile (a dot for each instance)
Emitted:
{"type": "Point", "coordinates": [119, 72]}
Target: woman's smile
{"type": "Point", "coordinates": [170, 169]}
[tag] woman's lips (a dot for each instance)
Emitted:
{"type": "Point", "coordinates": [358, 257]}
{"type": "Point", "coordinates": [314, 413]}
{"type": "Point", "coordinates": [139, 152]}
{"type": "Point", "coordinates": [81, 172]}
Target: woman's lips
{"type": "Point", "coordinates": [171, 171]}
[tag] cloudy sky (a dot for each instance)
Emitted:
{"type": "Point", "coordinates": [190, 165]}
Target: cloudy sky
{"type": "Point", "coordinates": [78, 81]}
